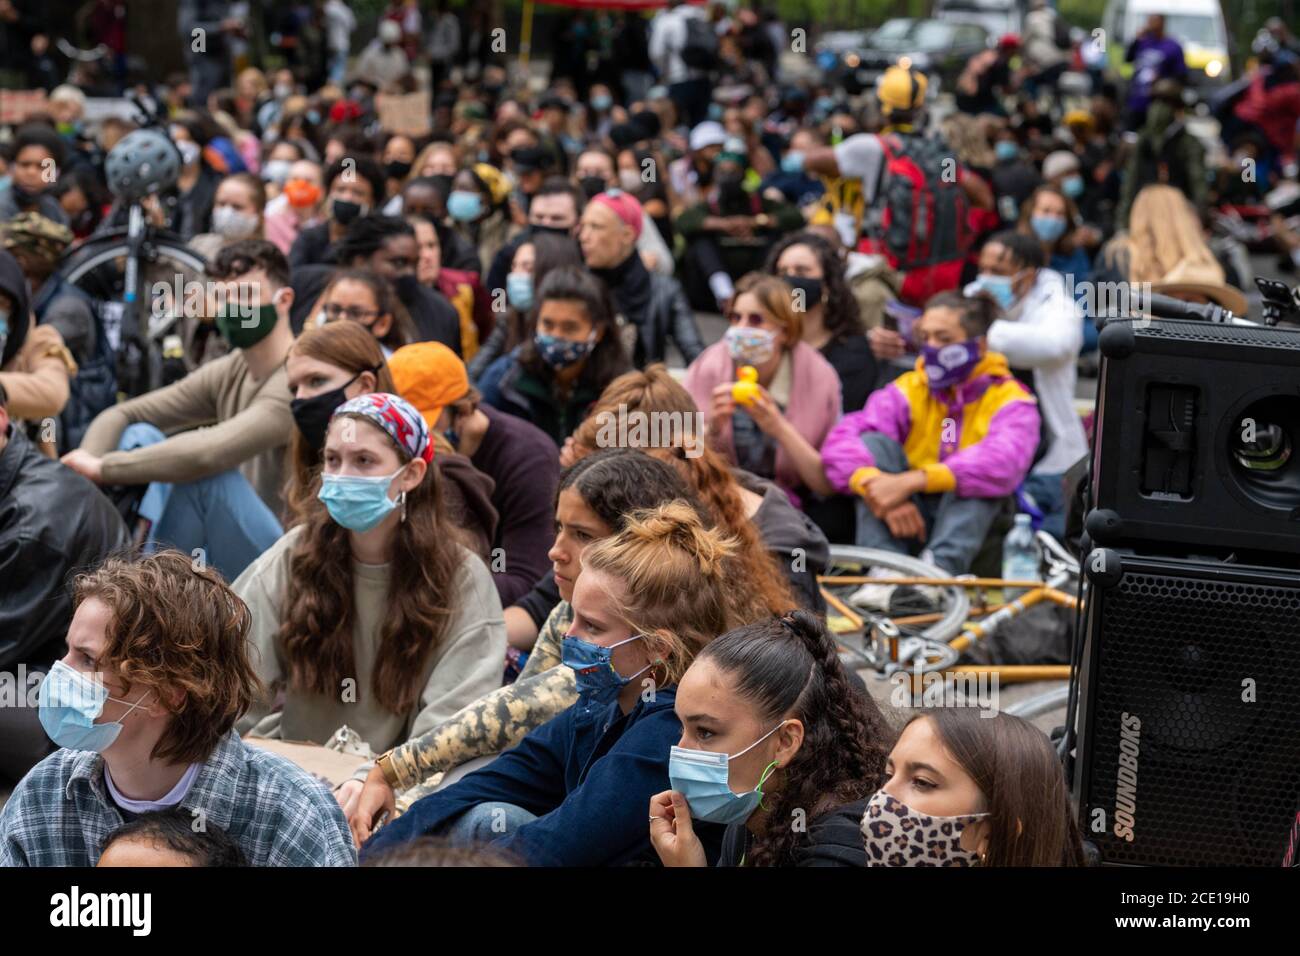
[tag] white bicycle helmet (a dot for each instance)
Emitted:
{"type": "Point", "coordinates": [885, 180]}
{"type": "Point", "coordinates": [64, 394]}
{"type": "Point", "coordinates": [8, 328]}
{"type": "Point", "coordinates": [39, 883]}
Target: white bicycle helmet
{"type": "Point", "coordinates": [142, 163]}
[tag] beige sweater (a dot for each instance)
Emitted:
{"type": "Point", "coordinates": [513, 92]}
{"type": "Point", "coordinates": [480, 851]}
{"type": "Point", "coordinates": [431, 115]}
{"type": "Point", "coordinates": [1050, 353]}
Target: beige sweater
{"type": "Point", "coordinates": [465, 665]}
{"type": "Point", "coordinates": [217, 418]}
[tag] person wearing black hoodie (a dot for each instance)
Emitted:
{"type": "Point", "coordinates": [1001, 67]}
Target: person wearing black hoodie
{"type": "Point", "coordinates": [655, 305]}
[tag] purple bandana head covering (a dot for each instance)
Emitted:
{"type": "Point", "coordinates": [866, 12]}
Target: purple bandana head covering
{"type": "Point", "coordinates": [396, 416]}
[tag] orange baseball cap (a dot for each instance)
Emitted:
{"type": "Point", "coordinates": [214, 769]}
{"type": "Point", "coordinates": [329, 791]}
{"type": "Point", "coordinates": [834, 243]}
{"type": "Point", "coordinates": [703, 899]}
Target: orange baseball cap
{"type": "Point", "coordinates": [430, 376]}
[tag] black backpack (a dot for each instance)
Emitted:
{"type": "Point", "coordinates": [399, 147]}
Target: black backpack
{"type": "Point", "coordinates": [700, 51]}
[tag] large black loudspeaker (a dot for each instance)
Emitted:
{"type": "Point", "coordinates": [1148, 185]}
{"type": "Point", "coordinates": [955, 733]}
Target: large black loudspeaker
{"type": "Point", "coordinates": [1188, 729]}
{"type": "Point", "coordinates": [1198, 439]}
{"type": "Point", "coordinates": [1189, 720]}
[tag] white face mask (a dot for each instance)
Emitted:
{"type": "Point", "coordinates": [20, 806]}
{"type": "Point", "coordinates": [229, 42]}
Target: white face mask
{"type": "Point", "coordinates": [189, 152]}
{"type": "Point", "coordinates": [629, 179]}
{"type": "Point", "coordinates": [229, 222]}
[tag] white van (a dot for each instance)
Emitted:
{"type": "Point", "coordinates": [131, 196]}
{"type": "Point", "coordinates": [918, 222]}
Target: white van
{"type": "Point", "coordinates": [1196, 24]}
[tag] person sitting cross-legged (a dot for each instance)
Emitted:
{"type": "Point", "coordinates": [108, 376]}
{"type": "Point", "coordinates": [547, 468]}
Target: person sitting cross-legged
{"type": "Point", "coordinates": [934, 453]}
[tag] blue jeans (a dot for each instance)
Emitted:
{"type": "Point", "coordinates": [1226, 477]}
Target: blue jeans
{"type": "Point", "coordinates": [220, 514]}
{"type": "Point", "coordinates": [1049, 495]}
{"type": "Point", "coordinates": [955, 528]}
{"type": "Point", "coordinates": [485, 823]}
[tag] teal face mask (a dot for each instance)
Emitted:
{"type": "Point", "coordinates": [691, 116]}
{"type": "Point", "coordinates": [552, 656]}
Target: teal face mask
{"type": "Point", "coordinates": [69, 702]}
{"type": "Point", "coordinates": [519, 290]}
{"type": "Point", "coordinates": [704, 779]}
{"type": "Point", "coordinates": [359, 503]}
{"type": "Point", "coordinates": [1000, 287]}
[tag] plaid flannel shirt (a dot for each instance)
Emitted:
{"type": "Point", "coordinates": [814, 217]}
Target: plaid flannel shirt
{"type": "Point", "coordinates": [61, 812]}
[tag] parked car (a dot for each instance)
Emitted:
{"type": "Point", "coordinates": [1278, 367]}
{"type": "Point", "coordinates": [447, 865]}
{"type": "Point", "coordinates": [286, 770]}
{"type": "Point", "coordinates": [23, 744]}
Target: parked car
{"type": "Point", "coordinates": [937, 48]}
{"type": "Point", "coordinates": [997, 16]}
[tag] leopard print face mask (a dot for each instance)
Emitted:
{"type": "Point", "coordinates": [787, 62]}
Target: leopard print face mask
{"type": "Point", "coordinates": [897, 835]}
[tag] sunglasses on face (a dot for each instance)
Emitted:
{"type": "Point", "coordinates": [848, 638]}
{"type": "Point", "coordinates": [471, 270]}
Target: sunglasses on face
{"type": "Point", "coordinates": [751, 318]}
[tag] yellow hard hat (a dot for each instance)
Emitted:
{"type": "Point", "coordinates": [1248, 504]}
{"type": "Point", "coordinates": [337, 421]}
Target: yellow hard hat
{"type": "Point", "coordinates": [901, 88]}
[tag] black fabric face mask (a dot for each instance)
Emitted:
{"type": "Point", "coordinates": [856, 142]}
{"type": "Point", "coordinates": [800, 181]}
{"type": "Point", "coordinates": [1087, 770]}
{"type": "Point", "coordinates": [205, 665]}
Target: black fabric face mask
{"type": "Point", "coordinates": [566, 231]}
{"type": "Point", "coordinates": [312, 415]}
{"type": "Point", "coordinates": [344, 211]}
{"type": "Point", "coordinates": [592, 186]}
{"type": "Point", "coordinates": [811, 289]}
{"type": "Point", "coordinates": [443, 182]}
{"type": "Point", "coordinates": [397, 169]}
{"type": "Point", "coordinates": [408, 288]}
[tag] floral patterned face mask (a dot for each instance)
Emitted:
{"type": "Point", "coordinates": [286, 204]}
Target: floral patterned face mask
{"type": "Point", "coordinates": [897, 835]}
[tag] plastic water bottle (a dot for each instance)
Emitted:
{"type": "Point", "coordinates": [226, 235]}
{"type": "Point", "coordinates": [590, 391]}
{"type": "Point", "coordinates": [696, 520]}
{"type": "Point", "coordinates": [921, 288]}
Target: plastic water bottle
{"type": "Point", "coordinates": [1021, 556]}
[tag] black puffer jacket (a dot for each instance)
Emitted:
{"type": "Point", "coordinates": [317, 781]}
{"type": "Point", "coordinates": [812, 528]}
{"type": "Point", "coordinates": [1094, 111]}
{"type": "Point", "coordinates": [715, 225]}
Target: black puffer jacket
{"type": "Point", "coordinates": [52, 523]}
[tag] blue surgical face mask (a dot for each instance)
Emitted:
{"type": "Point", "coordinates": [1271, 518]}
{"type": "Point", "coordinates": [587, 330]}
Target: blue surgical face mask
{"type": "Point", "coordinates": [1005, 150]}
{"type": "Point", "coordinates": [519, 290]}
{"type": "Point", "coordinates": [704, 779]}
{"type": "Point", "coordinates": [464, 206]}
{"type": "Point", "coordinates": [1000, 287]}
{"type": "Point", "coordinates": [561, 353]}
{"type": "Point", "coordinates": [601, 102]}
{"type": "Point", "coordinates": [594, 670]}
{"type": "Point", "coordinates": [1072, 186]}
{"type": "Point", "coordinates": [359, 503]}
{"type": "Point", "coordinates": [69, 702]}
{"type": "Point", "coordinates": [1048, 228]}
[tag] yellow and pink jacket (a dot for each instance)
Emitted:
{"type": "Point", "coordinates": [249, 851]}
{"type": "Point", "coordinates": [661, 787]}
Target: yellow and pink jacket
{"type": "Point", "coordinates": [976, 439]}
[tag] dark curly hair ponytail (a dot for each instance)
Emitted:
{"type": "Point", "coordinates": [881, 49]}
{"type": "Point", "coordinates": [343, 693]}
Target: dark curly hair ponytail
{"type": "Point", "coordinates": [790, 667]}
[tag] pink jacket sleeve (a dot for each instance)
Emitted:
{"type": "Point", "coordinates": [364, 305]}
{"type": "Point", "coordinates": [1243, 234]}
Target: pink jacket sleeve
{"type": "Point", "coordinates": [701, 378]}
{"type": "Point", "coordinates": [843, 452]}
{"type": "Point", "coordinates": [996, 465]}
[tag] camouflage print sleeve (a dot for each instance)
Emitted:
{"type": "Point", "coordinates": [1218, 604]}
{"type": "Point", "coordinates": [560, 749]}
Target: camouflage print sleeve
{"type": "Point", "coordinates": [546, 652]}
{"type": "Point", "coordinates": [496, 721]}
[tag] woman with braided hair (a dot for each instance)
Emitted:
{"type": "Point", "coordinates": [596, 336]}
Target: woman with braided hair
{"type": "Point", "coordinates": [776, 745]}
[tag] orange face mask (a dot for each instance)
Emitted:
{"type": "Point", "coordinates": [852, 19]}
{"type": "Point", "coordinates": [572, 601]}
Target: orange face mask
{"type": "Point", "coordinates": [302, 193]}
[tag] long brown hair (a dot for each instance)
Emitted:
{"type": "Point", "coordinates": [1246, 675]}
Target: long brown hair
{"type": "Point", "coordinates": [316, 632]}
{"type": "Point", "coordinates": [792, 667]}
{"type": "Point", "coordinates": [655, 390]}
{"type": "Point", "coordinates": [1031, 818]}
{"type": "Point", "coordinates": [346, 346]}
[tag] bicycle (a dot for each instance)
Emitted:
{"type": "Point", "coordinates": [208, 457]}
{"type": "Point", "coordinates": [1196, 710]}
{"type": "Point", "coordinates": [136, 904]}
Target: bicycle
{"type": "Point", "coordinates": [110, 267]}
{"type": "Point", "coordinates": [928, 626]}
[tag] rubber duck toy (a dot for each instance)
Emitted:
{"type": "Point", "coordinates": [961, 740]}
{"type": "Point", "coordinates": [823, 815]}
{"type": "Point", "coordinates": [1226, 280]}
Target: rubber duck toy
{"type": "Point", "coordinates": [746, 390]}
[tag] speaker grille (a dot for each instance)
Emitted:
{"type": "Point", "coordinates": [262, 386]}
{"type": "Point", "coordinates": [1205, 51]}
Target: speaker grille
{"type": "Point", "coordinates": [1218, 775]}
{"type": "Point", "coordinates": [1190, 331]}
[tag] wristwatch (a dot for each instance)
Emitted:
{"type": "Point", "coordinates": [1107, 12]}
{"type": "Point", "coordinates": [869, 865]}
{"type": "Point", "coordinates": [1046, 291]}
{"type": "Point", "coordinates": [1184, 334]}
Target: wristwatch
{"type": "Point", "coordinates": [385, 765]}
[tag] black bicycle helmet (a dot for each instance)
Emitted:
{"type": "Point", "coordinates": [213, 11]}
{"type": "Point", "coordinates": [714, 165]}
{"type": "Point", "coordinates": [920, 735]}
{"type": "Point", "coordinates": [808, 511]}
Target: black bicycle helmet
{"type": "Point", "coordinates": [144, 162]}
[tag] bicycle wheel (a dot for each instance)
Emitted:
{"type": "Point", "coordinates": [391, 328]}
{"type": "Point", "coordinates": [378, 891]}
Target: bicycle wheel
{"type": "Point", "coordinates": [942, 614]}
{"type": "Point", "coordinates": [98, 268]}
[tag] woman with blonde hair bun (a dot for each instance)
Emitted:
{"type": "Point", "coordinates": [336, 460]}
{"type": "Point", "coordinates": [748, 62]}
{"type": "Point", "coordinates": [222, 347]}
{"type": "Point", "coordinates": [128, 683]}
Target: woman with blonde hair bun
{"type": "Point", "coordinates": [574, 791]}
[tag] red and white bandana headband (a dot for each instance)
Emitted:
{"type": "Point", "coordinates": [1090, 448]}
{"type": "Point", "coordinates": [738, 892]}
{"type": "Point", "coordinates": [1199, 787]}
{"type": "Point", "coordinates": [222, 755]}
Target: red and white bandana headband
{"type": "Point", "coordinates": [397, 417]}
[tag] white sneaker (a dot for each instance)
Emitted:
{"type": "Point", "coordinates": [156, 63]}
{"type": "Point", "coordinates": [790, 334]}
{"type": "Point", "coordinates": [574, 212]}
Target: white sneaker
{"type": "Point", "coordinates": [875, 597]}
